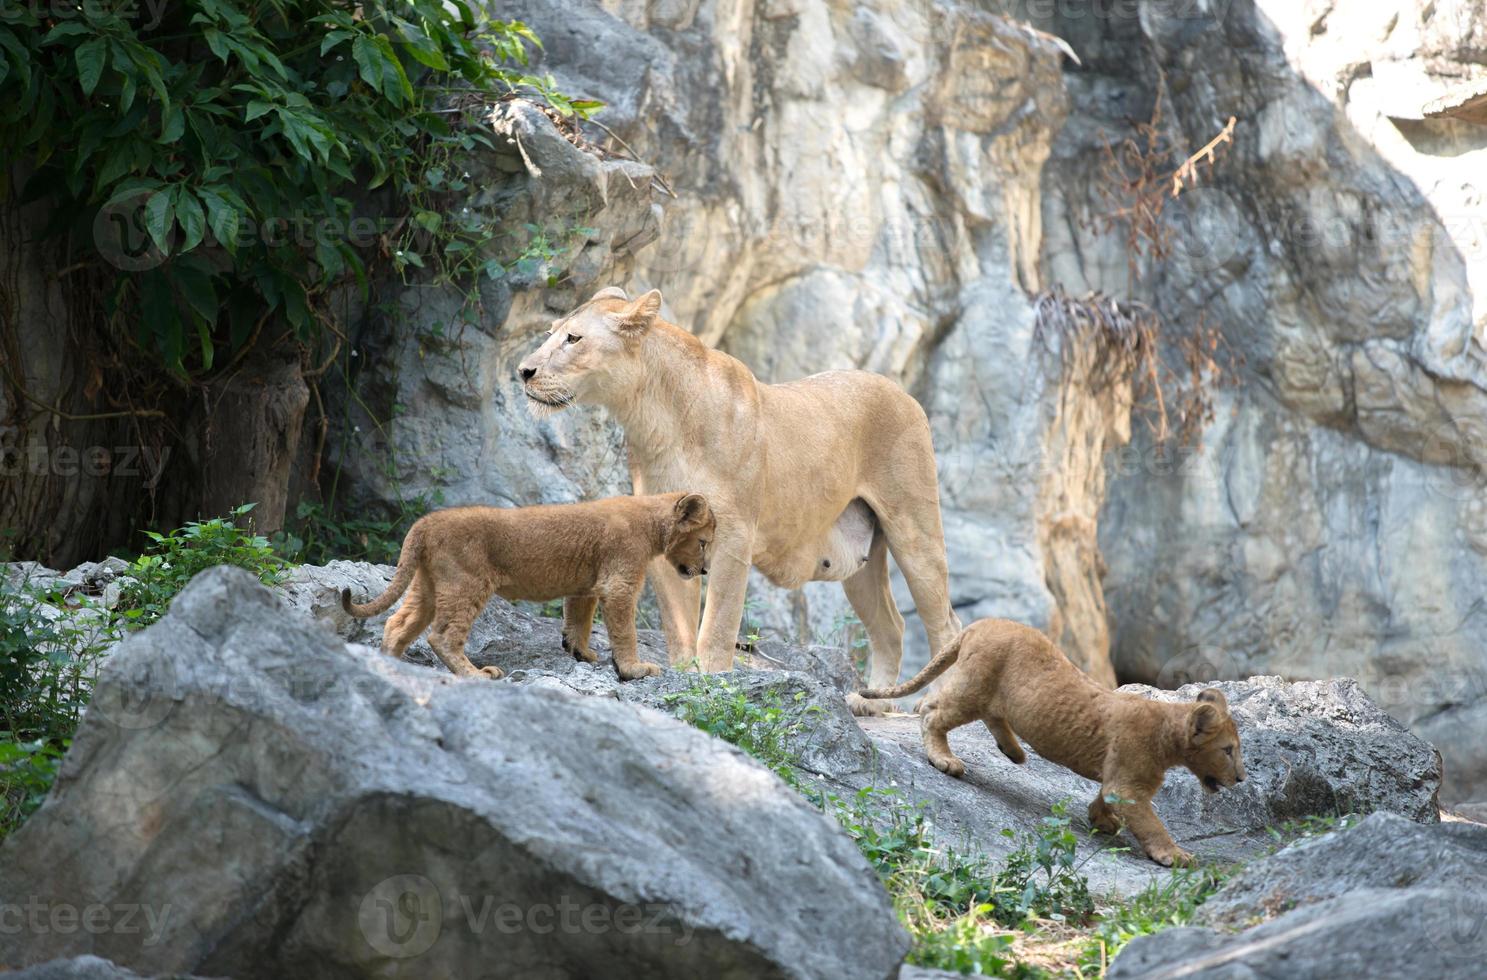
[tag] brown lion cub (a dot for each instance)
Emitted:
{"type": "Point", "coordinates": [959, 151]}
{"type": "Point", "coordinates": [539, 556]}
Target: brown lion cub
{"type": "Point", "coordinates": [588, 554]}
{"type": "Point", "coordinates": [1012, 678]}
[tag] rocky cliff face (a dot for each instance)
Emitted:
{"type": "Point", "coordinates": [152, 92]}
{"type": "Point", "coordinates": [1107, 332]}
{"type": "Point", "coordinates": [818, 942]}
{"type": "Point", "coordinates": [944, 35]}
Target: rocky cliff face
{"type": "Point", "coordinates": [1334, 523]}
{"type": "Point", "coordinates": [888, 185]}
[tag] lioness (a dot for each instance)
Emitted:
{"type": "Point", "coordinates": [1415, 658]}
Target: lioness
{"type": "Point", "coordinates": [1012, 678]}
{"type": "Point", "coordinates": [588, 554]}
{"type": "Point", "coordinates": [800, 475]}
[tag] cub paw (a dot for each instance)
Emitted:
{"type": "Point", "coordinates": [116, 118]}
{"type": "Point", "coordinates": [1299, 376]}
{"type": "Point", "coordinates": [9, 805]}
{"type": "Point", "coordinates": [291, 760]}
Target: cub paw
{"type": "Point", "coordinates": [579, 652]}
{"type": "Point", "coordinates": [1105, 824]}
{"type": "Point", "coordinates": [494, 673]}
{"type": "Point", "coordinates": [637, 670]}
{"type": "Point", "coordinates": [1017, 756]}
{"type": "Point", "coordinates": [864, 708]}
{"type": "Point", "coordinates": [950, 766]}
{"type": "Point", "coordinates": [1176, 857]}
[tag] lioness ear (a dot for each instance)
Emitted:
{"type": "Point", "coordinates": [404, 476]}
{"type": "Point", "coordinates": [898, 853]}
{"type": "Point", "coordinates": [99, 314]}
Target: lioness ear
{"type": "Point", "coordinates": [610, 292]}
{"type": "Point", "coordinates": [1204, 721]}
{"type": "Point", "coordinates": [692, 511]}
{"type": "Point", "coordinates": [637, 318]}
{"type": "Point", "coordinates": [1215, 697]}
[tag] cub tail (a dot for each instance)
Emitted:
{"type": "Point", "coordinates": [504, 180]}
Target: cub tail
{"type": "Point", "coordinates": [407, 566]}
{"type": "Point", "coordinates": [941, 663]}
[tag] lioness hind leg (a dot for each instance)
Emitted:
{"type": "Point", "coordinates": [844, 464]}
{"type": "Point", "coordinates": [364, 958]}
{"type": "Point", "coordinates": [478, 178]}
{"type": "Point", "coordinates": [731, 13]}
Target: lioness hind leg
{"type": "Point", "coordinates": [578, 623]}
{"type": "Point", "coordinates": [1006, 739]}
{"type": "Point", "coordinates": [453, 617]}
{"type": "Point", "coordinates": [872, 600]}
{"type": "Point", "coordinates": [411, 619]}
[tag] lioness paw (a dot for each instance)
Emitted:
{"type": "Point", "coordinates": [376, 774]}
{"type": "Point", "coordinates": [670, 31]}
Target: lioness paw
{"type": "Point", "coordinates": [494, 673]}
{"type": "Point", "coordinates": [864, 708]}
{"type": "Point", "coordinates": [637, 670]}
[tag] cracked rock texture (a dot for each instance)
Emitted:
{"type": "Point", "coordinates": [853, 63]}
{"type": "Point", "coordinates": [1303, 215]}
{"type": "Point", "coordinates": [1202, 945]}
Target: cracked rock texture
{"type": "Point", "coordinates": [1384, 898]}
{"type": "Point", "coordinates": [886, 185]}
{"type": "Point", "coordinates": [280, 803]}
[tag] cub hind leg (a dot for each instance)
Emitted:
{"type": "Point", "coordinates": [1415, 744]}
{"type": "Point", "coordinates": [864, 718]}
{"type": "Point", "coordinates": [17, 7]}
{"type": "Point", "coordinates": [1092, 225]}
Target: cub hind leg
{"type": "Point", "coordinates": [1006, 739]}
{"type": "Point", "coordinates": [578, 624]}
{"type": "Point", "coordinates": [454, 613]}
{"type": "Point", "coordinates": [411, 619]}
{"type": "Point", "coordinates": [935, 725]}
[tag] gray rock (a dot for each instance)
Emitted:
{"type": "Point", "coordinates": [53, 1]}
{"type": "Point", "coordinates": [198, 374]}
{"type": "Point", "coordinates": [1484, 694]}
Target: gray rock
{"type": "Point", "coordinates": [1311, 748]}
{"type": "Point", "coordinates": [85, 968]}
{"type": "Point", "coordinates": [280, 803]}
{"type": "Point", "coordinates": [1385, 898]}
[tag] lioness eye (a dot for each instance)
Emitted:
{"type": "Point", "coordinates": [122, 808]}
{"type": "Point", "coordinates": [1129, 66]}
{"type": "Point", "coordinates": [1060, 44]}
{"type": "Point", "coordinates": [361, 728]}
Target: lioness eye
{"type": "Point", "coordinates": [572, 339]}
{"type": "Point", "coordinates": [1229, 751]}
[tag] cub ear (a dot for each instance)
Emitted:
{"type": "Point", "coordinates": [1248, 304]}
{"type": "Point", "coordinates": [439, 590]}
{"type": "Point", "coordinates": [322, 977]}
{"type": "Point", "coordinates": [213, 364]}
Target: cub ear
{"type": "Point", "coordinates": [637, 318]}
{"type": "Point", "coordinates": [1215, 697]}
{"type": "Point", "coordinates": [610, 292]}
{"type": "Point", "coordinates": [1204, 722]}
{"type": "Point", "coordinates": [692, 511]}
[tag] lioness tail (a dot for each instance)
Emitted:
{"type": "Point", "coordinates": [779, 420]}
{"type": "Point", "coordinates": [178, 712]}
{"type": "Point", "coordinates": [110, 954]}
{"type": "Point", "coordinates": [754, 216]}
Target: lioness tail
{"type": "Point", "coordinates": [407, 566]}
{"type": "Point", "coordinates": [933, 669]}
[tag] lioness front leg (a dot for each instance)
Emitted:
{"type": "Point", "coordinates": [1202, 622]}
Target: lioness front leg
{"type": "Point", "coordinates": [727, 586]}
{"type": "Point", "coordinates": [680, 601]}
{"type": "Point", "coordinates": [578, 624]}
{"type": "Point", "coordinates": [619, 620]}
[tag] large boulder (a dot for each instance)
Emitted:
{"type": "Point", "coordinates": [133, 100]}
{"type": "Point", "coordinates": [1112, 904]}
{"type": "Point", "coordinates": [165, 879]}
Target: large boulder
{"type": "Point", "coordinates": [281, 803]}
{"type": "Point", "coordinates": [1320, 747]}
{"type": "Point", "coordinates": [1385, 898]}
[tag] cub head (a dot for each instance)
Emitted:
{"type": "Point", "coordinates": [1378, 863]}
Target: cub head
{"type": "Point", "coordinates": [1212, 749]}
{"type": "Point", "coordinates": [591, 354]}
{"type": "Point", "coordinates": [690, 537]}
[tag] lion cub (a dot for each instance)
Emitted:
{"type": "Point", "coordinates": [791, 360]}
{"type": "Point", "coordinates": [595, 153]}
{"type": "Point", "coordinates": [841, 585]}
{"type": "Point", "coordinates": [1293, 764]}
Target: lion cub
{"type": "Point", "coordinates": [1012, 678]}
{"type": "Point", "coordinates": [588, 554]}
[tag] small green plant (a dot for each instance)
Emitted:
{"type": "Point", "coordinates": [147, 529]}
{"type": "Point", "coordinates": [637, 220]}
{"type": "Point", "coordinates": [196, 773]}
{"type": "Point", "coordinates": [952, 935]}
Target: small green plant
{"type": "Point", "coordinates": [50, 648]}
{"type": "Point", "coordinates": [765, 730]}
{"type": "Point", "coordinates": [318, 534]}
{"type": "Point", "coordinates": [1161, 905]}
{"type": "Point", "coordinates": [1311, 825]}
{"type": "Point", "coordinates": [174, 558]}
{"type": "Point", "coordinates": [27, 771]}
{"type": "Point", "coordinates": [1044, 872]}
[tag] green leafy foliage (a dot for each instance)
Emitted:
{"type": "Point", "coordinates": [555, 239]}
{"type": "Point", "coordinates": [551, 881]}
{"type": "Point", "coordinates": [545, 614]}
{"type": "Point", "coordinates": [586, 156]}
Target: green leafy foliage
{"type": "Point", "coordinates": [174, 558]}
{"type": "Point", "coordinates": [1161, 905]}
{"type": "Point", "coordinates": [53, 640]}
{"type": "Point", "coordinates": [27, 771]}
{"type": "Point", "coordinates": [765, 729]}
{"type": "Point", "coordinates": [220, 148]}
{"type": "Point", "coordinates": [1028, 917]}
{"type": "Point", "coordinates": [319, 533]}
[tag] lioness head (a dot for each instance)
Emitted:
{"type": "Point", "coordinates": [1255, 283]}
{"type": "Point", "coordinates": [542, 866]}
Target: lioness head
{"type": "Point", "coordinates": [1212, 751]}
{"type": "Point", "coordinates": [589, 355]}
{"type": "Point", "coordinates": [691, 535]}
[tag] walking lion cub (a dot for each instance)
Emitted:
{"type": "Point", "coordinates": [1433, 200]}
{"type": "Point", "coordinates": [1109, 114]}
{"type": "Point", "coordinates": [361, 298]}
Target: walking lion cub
{"type": "Point", "coordinates": [1015, 681]}
{"type": "Point", "coordinates": [589, 554]}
